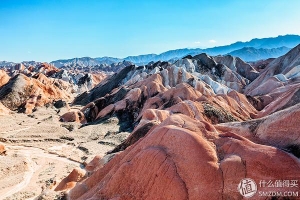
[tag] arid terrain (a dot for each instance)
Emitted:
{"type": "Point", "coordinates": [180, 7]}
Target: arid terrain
{"type": "Point", "coordinates": [188, 129]}
{"type": "Point", "coordinates": [40, 151]}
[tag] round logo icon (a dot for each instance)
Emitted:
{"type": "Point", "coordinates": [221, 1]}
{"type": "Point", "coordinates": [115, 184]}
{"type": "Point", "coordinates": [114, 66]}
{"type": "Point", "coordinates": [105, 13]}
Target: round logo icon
{"type": "Point", "coordinates": [247, 187]}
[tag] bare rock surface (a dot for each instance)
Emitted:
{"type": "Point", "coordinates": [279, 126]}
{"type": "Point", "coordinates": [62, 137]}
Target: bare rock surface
{"type": "Point", "coordinates": [191, 129]}
{"type": "Point", "coordinates": [200, 136]}
{"type": "Point", "coordinates": [184, 158]}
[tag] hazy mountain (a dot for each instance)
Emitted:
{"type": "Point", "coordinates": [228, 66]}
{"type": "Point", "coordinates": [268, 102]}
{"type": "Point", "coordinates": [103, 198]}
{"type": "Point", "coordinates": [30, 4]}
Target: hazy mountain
{"type": "Point", "coordinates": [253, 54]}
{"type": "Point", "coordinates": [288, 41]}
{"type": "Point", "coordinates": [11, 64]}
{"type": "Point", "coordinates": [252, 50]}
{"type": "Point", "coordinates": [6, 64]}
{"type": "Point", "coordinates": [108, 60]}
{"type": "Point", "coordinates": [81, 62]}
{"type": "Point", "coordinates": [142, 58]}
{"type": "Point", "coordinates": [86, 62]}
{"type": "Point", "coordinates": [168, 55]}
{"type": "Point", "coordinates": [276, 46]}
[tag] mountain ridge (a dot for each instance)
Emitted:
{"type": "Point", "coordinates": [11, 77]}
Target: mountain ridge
{"type": "Point", "coordinates": [263, 48]}
{"type": "Point", "coordinates": [254, 54]}
{"type": "Point", "coordinates": [288, 41]}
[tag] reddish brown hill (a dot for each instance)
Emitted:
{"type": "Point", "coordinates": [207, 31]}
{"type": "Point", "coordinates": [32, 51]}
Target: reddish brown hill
{"type": "Point", "coordinates": [192, 137]}
{"type": "Point", "coordinates": [26, 93]}
{"type": "Point", "coordinates": [152, 92]}
{"type": "Point", "coordinates": [47, 69]}
{"type": "Point", "coordinates": [188, 160]}
{"type": "Point", "coordinates": [277, 87]}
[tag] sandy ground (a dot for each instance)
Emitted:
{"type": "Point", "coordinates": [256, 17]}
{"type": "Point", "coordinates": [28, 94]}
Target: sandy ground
{"type": "Point", "coordinates": [41, 151]}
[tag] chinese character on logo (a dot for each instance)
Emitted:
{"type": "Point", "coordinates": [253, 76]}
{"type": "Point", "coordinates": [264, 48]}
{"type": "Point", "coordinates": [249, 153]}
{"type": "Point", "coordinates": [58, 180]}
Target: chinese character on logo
{"type": "Point", "coordinates": [286, 183]}
{"type": "Point", "coordinates": [278, 183]}
{"type": "Point", "coordinates": [294, 183]}
{"type": "Point", "coordinates": [262, 183]}
{"type": "Point", "coordinates": [270, 183]}
{"type": "Point", "coordinates": [247, 187]}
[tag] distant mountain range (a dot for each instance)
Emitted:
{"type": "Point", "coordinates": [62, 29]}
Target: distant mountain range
{"type": "Point", "coordinates": [253, 54]}
{"type": "Point", "coordinates": [255, 49]}
{"type": "Point", "coordinates": [265, 44]}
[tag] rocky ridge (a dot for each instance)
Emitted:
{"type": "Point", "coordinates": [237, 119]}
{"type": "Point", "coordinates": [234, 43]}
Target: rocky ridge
{"type": "Point", "coordinates": [197, 126]}
{"type": "Point", "coordinates": [199, 134]}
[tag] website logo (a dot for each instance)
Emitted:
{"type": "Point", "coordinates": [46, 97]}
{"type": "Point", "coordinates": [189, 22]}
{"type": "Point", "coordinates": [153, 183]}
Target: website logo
{"type": "Point", "coordinates": [247, 187]}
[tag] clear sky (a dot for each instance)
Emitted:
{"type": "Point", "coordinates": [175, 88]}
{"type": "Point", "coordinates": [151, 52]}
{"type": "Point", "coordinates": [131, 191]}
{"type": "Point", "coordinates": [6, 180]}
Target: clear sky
{"type": "Point", "coordinates": [46, 30]}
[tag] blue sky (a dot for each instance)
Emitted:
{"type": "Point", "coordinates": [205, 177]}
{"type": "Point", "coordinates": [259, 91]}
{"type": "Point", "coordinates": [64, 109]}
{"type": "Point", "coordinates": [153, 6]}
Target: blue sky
{"type": "Point", "coordinates": [46, 30]}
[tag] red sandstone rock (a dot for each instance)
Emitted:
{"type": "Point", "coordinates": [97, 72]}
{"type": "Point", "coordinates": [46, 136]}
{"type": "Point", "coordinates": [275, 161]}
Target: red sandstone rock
{"type": "Point", "coordinates": [22, 91]}
{"type": "Point", "coordinates": [4, 78]}
{"type": "Point", "coordinates": [152, 94]}
{"type": "Point", "coordinates": [280, 98]}
{"type": "Point", "coordinates": [280, 129]}
{"type": "Point", "coordinates": [73, 116]}
{"type": "Point", "coordinates": [106, 111]}
{"type": "Point", "coordinates": [2, 149]}
{"type": "Point", "coordinates": [179, 149]}
{"type": "Point", "coordinates": [261, 64]}
{"type": "Point", "coordinates": [243, 158]}
{"type": "Point", "coordinates": [94, 164]}
{"type": "Point", "coordinates": [70, 181]}
{"type": "Point", "coordinates": [282, 67]}
{"type": "Point", "coordinates": [47, 69]}
{"type": "Point", "coordinates": [184, 157]}
{"type": "Point", "coordinates": [170, 176]}
{"type": "Point", "coordinates": [97, 78]}
{"type": "Point", "coordinates": [19, 67]}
